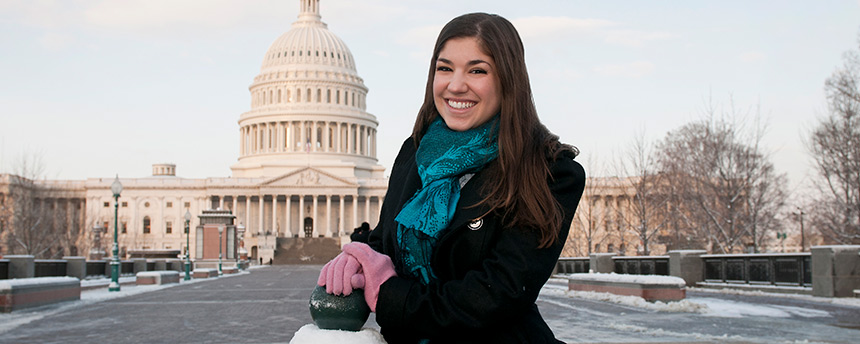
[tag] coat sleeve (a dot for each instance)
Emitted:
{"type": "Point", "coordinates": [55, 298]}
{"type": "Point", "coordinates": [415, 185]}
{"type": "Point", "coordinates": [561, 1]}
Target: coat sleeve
{"type": "Point", "coordinates": [505, 286]}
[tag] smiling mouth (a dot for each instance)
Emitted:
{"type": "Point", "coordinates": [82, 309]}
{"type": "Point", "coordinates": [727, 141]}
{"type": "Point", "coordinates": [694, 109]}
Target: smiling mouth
{"type": "Point", "coordinates": [460, 105]}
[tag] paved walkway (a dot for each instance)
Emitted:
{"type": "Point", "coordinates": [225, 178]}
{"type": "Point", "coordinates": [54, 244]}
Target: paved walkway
{"type": "Point", "coordinates": [269, 304]}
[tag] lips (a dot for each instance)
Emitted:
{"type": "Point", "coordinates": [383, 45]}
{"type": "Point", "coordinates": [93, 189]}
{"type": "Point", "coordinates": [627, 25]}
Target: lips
{"type": "Point", "coordinates": [460, 105]}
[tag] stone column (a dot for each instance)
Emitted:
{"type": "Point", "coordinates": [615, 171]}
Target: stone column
{"type": "Point", "coordinates": [139, 264]}
{"type": "Point", "coordinates": [328, 215]}
{"type": "Point", "coordinates": [235, 210]}
{"type": "Point", "coordinates": [355, 210]}
{"type": "Point", "coordinates": [275, 215]}
{"type": "Point", "coordinates": [348, 138]}
{"type": "Point", "coordinates": [248, 213]}
{"type": "Point", "coordinates": [288, 232]}
{"type": "Point", "coordinates": [340, 218]}
{"type": "Point", "coordinates": [303, 136]}
{"type": "Point", "coordinates": [260, 218]}
{"type": "Point", "coordinates": [302, 216]}
{"type": "Point", "coordinates": [21, 266]}
{"type": "Point", "coordinates": [221, 202]}
{"type": "Point", "coordinates": [835, 270]}
{"type": "Point", "coordinates": [602, 262]}
{"type": "Point", "coordinates": [315, 217]}
{"type": "Point", "coordinates": [76, 267]}
{"type": "Point", "coordinates": [367, 209]}
{"type": "Point", "coordinates": [688, 265]}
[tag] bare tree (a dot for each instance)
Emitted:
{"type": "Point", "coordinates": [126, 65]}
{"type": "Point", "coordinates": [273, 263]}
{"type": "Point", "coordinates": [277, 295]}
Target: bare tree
{"type": "Point", "coordinates": [835, 148]}
{"type": "Point", "coordinates": [649, 203]}
{"type": "Point", "coordinates": [586, 228]}
{"type": "Point", "coordinates": [727, 190]}
{"type": "Point", "coordinates": [33, 228]}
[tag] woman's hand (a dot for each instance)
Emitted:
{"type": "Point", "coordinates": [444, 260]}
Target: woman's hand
{"type": "Point", "coordinates": [377, 268]}
{"type": "Point", "coordinates": [341, 275]}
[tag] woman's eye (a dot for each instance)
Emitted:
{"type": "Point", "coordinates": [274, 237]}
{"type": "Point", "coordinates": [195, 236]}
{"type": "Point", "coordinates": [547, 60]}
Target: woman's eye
{"type": "Point", "coordinates": [478, 71]}
{"type": "Point", "coordinates": [443, 69]}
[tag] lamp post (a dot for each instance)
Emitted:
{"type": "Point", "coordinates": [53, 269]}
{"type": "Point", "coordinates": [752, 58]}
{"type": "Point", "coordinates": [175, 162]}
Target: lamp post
{"type": "Point", "coordinates": [187, 247]}
{"type": "Point", "coordinates": [802, 234]}
{"type": "Point", "coordinates": [116, 188]}
{"type": "Point", "coordinates": [220, 230]}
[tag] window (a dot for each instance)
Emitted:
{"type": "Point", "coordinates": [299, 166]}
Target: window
{"type": "Point", "coordinates": [170, 204]}
{"type": "Point", "coordinates": [125, 204]}
{"type": "Point", "coordinates": [124, 228]}
{"type": "Point", "coordinates": [188, 204]}
{"type": "Point", "coordinates": [610, 248]}
{"type": "Point", "coordinates": [106, 225]}
{"type": "Point", "coordinates": [146, 225]}
{"type": "Point", "coordinates": [596, 247]}
{"type": "Point", "coordinates": [107, 204]}
{"type": "Point", "coordinates": [168, 227]}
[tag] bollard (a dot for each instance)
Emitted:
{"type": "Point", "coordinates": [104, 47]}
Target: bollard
{"type": "Point", "coordinates": [333, 312]}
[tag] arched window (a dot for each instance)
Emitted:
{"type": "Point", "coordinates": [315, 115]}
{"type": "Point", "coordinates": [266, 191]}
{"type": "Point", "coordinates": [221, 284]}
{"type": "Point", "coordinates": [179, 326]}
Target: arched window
{"type": "Point", "coordinates": [279, 96]}
{"type": "Point", "coordinates": [146, 225]}
{"type": "Point", "coordinates": [337, 97]}
{"type": "Point", "coordinates": [319, 95]}
{"type": "Point", "coordinates": [298, 96]}
{"type": "Point", "coordinates": [308, 96]}
{"type": "Point", "coordinates": [289, 97]}
{"type": "Point", "coordinates": [328, 96]}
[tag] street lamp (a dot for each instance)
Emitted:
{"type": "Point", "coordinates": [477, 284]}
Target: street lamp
{"type": "Point", "coordinates": [116, 188]}
{"type": "Point", "coordinates": [187, 247]}
{"type": "Point", "coordinates": [220, 230]}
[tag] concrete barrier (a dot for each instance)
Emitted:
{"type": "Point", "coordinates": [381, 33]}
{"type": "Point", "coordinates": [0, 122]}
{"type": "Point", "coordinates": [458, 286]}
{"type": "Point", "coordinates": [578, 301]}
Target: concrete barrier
{"type": "Point", "coordinates": [204, 273]}
{"type": "Point", "coordinates": [22, 293]}
{"type": "Point", "coordinates": [21, 266]}
{"type": "Point", "coordinates": [648, 287]}
{"type": "Point", "coordinates": [230, 270]}
{"type": "Point", "coordinates": [76, 267]}
{"type": "Point", "coordinates": [157, 277]}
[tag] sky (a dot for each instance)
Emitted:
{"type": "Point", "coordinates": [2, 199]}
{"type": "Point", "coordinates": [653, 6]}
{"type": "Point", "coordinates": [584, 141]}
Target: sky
{"type": "Point", "coordinates": [100, 88]}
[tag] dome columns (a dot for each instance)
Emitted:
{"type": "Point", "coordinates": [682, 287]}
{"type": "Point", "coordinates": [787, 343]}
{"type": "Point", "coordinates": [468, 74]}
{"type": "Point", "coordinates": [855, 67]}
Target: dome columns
{"type": "Point", "coordinates": [308, 136]}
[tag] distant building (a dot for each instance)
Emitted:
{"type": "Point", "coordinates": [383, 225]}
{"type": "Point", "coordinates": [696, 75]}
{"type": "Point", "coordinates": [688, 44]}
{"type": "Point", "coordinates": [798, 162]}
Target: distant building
{"type": "Point", "coordinates": [307, 165]}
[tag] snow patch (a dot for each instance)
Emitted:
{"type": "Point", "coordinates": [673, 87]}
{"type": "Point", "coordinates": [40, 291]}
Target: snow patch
{"type": "Point", "coordinates": [311, 334]}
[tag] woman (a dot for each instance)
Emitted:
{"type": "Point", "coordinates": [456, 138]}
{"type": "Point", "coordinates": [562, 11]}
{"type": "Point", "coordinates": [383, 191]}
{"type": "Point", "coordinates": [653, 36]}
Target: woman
{"type": "Point", "coordinates": [479, 203]}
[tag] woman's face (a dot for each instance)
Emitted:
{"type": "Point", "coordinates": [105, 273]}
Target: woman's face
{"type": "Point", "coordinates": [466, 87]}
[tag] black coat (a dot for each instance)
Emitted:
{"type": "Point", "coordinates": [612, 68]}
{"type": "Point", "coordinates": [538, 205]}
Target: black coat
{"type": "Point", "coordinates": [488, 277]}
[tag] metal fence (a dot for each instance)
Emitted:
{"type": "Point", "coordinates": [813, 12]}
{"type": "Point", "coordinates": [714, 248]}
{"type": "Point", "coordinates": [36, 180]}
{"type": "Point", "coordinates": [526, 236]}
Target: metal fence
{"type": "Point", "coordinates": [97, 268]}
{"type": "Point", "coordinates": [783, 269]}
{"type": "Point", "coordinates": [4, 269]}
{"type": "Point", "coordinates": [49, 267]}
{"type": "Point", "coordinates": [572, 265]}
{"type": "Point", "coordinates": [126, 267]}
{"type": "Point", "coordinates": [642, 265]}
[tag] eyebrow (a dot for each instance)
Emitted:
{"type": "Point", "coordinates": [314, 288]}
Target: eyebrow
{"type": "Point", "coordinates": [470, 63]}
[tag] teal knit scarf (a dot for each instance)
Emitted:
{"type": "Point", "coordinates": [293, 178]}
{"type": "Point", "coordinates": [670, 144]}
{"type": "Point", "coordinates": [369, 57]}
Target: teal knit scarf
{"type": "Point", "coordinates": [443, 156]}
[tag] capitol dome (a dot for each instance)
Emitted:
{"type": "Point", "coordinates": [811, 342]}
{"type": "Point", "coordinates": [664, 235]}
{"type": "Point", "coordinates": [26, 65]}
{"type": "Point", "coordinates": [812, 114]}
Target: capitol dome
{"type": "Point", "coordinates": [308, 107]}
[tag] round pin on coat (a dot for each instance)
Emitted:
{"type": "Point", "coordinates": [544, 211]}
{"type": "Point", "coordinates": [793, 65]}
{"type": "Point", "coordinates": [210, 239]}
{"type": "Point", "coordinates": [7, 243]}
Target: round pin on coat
{"type": "Point", "coordinates": [475, 225]}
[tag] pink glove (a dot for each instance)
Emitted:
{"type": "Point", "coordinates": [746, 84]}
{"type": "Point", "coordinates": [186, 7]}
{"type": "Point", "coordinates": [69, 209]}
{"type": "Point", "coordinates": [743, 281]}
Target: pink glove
{"type": "Point", "coordinates": [341, 275]}
{"type": "Point", "coordinates": [377, 268]}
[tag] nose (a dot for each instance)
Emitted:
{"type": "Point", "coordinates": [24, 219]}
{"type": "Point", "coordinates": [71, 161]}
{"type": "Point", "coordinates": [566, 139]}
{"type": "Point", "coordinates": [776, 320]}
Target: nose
{"type": "Point", "coordinates": [457, 83]}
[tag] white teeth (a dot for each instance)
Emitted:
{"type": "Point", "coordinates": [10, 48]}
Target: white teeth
{"type": "Point", "coordinates": [461, 105]}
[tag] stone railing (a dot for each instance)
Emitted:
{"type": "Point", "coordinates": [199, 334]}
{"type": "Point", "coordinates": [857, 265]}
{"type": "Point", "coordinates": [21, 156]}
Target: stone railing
{"type": "Point", "coordinates": [828, 271]}
{"type": "Point", "coordinates": [24, 266]}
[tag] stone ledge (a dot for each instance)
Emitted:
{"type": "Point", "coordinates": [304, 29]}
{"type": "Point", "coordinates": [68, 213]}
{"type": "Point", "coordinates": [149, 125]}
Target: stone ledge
{"type": "Point", "coordinates": [157, 277]}
{"type": "Point", "coordinates": [204, 273]}
{"type": "Point", "coordinates": [648, 287]}
{"type": "Point", "coordinates": [22, 293]}
{"type": "Point", "coordinates": [229, 270]}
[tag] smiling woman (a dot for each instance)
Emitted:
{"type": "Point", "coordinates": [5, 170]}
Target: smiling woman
{"type": "Point", "coordinates": [478, 207]}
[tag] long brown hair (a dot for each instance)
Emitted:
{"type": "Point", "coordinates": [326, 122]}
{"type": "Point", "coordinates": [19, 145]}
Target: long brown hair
{"type": "Point", "coordinates": [525, 145]}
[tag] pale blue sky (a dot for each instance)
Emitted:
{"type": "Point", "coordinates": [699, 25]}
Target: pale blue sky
{"type": "Point", "coordinates": [107, 87]}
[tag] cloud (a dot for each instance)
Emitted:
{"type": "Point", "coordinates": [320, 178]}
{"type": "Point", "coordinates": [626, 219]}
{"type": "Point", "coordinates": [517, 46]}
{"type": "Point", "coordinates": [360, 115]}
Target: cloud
{"type": "Point", "coordinates": [752, 56]}
{"type": "Point", "coordinates": [546, 27]}
{"type": "Point", "coordinates": [636, 69]}
{"type": "Point", "coordinates": [56, 41]}
{"type": "Point", "coordinates": [636, 38]}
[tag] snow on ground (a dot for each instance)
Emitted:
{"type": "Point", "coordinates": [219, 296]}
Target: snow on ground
{"type": "Point", "coordinates": [707, 306]}
{"type": "Point", "coordinates": [842, 301]}
{"type": "Point", "coordinates": [311, 334]}
{"type": "Point", "coordinates": [9, 321]}
{"type": "Point", "coordinates": [632, 301]}
{"type": "Point", "coordinates": [641, 279]}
